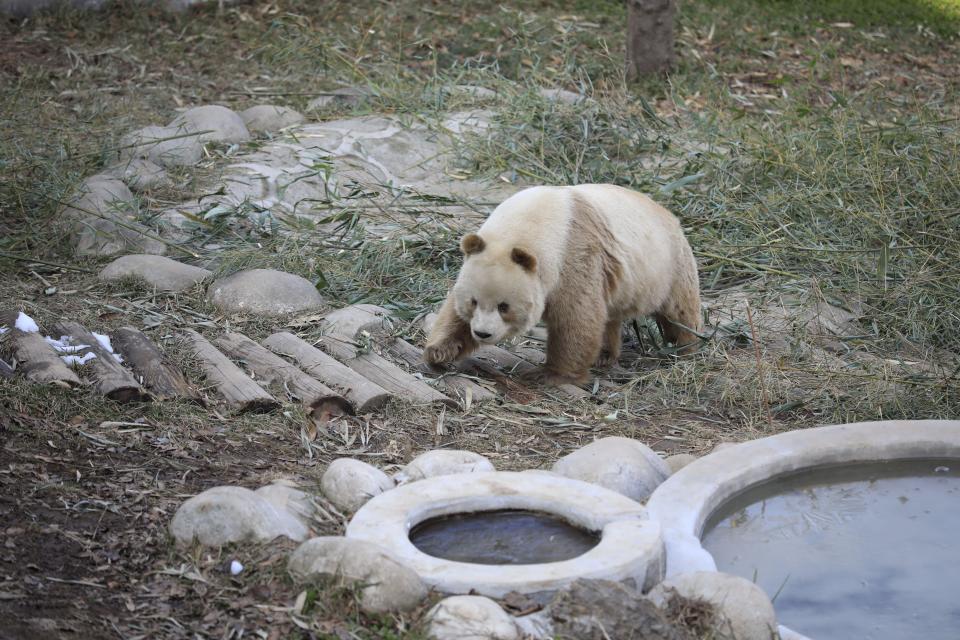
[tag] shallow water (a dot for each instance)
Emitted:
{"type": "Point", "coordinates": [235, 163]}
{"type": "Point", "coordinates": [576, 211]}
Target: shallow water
{"type": "Point", "coordinates": [502, 537]}
{"type": "Point", "coordinates": [864, 552]}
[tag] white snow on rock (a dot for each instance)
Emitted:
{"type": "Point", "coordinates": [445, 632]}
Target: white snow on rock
{"type": "Point", "coordinates": [25, 323]}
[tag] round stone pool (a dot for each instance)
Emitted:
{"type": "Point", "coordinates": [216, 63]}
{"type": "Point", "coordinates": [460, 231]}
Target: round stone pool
{"type": "Point", "coordinates": [502, 537]}
{"type": "Point", "coordinates": [865, 551]}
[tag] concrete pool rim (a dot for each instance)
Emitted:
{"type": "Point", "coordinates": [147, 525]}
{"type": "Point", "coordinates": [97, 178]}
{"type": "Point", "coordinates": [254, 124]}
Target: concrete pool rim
{"type": "Point", "coordinates": [630, 545]}
{"type": "Point", "coordinates": [684, 502]}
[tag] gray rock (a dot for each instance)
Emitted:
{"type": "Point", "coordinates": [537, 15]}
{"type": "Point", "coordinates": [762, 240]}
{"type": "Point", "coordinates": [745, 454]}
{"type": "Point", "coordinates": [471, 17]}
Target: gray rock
{"type": "Point", "coordinates": [472, 91]}
{"type": "Point", "coordinates": [602, 609]}
{"type": "Point", "coordinates": [269, 118]}
{"type": "Point", "coordinates": [562, 95]}
{"type": "Point", "coordinates": [744, 611]}
{"type": "Point", "coordinates": [720, 446]}
{"type": "Point", "coordinates": [470, 618]}
{"type": "Point", "coordinates": [103, 219]}
{"type": "Point", "coordinates": [442, 462]}
{"type": "Point", "coordinates": [385, 584]}
{"type": "Point", "coordinates": [349, 483]}
{"type": "Point", "coordinates": [212, 123]}
{"type": "Point", "coordinates": [222, 515]}
{"type": "Point", "coordinates": [619, 464]}
{"type": "Point", "coordinates": [344, 97]}
{"type": "Point", "coordinates": [165, 146]}
{"type": "Point", "coordinates": [349, 321]}
{"type": "Point", "coordinates": [285, 496]}
{"type": "Point", "coordinates": [157, 271]}
{"type": "Point", "coordinates": [139, 173]}
{"type": "Point", "coordinates": [679, 461]}
{"type": "Point", "coordinates": [264, 292]}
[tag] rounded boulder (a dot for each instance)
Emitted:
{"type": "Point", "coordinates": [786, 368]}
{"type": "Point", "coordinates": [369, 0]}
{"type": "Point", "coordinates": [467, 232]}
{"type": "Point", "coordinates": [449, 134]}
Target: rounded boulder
{"type": "Point", "coordinates": [212, 123]}
{"type": "Point", "coordinates": [443, 462]}
{"type": "Point", "coordinates": [264, 292]}
{"type": "Point", "coordinates": [470, 618]}
{"type": "Point", "coordinates": [620, 464]}
{"type": "Point", "coordinates": [349, 483]}
{"type": "Point", "coordinates": [159, 272]}
{"type": "Point", "coordinates": [385, 584]}
{"type": "Point", "coordinates": [267, 118]}
{"type": "Point", "coordinates": [744, 610]}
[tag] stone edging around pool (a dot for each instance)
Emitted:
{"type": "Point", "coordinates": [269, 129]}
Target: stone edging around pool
{"type": "Point", "coordinates": [684, 502]}
{"type": "Point", "coordinates": [630, 546]}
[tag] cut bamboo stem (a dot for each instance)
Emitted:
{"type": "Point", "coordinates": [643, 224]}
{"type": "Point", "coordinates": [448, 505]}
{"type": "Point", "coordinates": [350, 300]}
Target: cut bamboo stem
{"type": "Point", "coordinates": [239, 390]}
{"type": "Point", "coordinates": [459, 384]}
{"type": "Point", "coordinates": [110, 379]}
{"type": "Point", "coordinates": [366, 396]}
{"type": "Point", "coordinates": [39, 362]}
{"type": "Point", "coordinates": [319, 400]}
{"type": "Point", "coordinates": [159, 376]}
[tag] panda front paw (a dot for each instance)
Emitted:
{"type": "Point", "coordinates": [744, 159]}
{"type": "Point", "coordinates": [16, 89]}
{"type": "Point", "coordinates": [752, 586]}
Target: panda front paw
{"type": "Point", "coordinates": [442, 353]}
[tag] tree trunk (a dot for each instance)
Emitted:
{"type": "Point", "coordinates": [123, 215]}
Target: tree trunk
{"type": "Point", "coordinates": [649, 37]}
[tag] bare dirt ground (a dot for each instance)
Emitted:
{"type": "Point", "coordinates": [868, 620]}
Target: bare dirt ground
{"type": "Point", "coordinates": [811, 154]}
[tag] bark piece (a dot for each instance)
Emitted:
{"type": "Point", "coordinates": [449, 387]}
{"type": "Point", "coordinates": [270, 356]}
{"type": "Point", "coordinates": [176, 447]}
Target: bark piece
{"type": "Point", "coordinates": [110, 379]}
{"type": "Point", "coordinates": [319, 400]}
{"type": "Point", "coordinates": [366, 396]}
{"type": "Point", "coordinates": [240, 391]}
{"type": "Point", "coordinates": [161, 378]}
{"type": "Point", "coordinates": [38, 360]}
{"type": "Point", "coordinates": [381, 371]}
{"type": "Point", "coordinates": [403, 350]}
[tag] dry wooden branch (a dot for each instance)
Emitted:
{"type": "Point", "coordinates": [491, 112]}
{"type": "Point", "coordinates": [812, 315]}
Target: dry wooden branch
{"type": "Point", "coordinates": [159, 376]}
{"type": "Point", "coordinates": [366, 396]}
{"type": "Point", "coordinates": [38, 360]}
{"type": "Point", "coordinates": [319, 400]}
{"type": "Point", "coordinates": [459, 384]}
{"type": "Point", "coordinates": [383, 372]}
{"type": "Point", "coordinates": [110, 379]}
{"type": "Point", "coordinates": [240, 391]}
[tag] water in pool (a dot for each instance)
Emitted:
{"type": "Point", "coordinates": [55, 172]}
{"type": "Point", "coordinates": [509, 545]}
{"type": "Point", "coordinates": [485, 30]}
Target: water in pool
{"type": "Point", "coordinates": [502, 537]}
{"type": "Point", "coordinates": [866, 552]}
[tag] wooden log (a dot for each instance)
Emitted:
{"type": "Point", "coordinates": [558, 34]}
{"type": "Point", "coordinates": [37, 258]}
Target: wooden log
{"type": "Point", "coordinates": [461, 385]}
{"type": "Point", "coordinates": [158, 375]}
{"type": "Point", "coordinates": [382, 372]}
{"type": "Point", "coordinates": [39, 361]}
{"type": "Point", "coordinates": [239, 390]}
{"type": "Point", "coordinates": [319, 400]}
{"type": "Point", "coordinates": [509, 362]}
{"type": "Point", "coordinates": [365, 395]}
{"type": "Point", "coordinates": [349, 321]}
{"type": "Point", "coordinates": [110, 379]}
{"type": "Point", "coordinates": [535, 356]}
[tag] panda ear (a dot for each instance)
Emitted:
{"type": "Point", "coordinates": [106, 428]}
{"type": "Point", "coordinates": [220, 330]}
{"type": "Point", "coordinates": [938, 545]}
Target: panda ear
{"type": "Point", "coordinates": [524, 259]}
{"type": "Point", "coordinates": [471, 244]}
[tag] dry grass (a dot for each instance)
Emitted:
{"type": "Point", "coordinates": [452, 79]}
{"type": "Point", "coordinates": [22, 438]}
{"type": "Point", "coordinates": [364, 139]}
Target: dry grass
{"type": "Point", "coordinates": [811, 164]}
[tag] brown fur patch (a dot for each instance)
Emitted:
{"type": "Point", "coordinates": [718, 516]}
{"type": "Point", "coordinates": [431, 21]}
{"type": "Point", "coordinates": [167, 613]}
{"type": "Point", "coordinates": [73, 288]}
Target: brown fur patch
{"type": "Point", "coordinates": [589, 231]}
{"type": "Point", "coordinates": [523, 258]}
{"type": "Point", "coordinates": [471, 244]}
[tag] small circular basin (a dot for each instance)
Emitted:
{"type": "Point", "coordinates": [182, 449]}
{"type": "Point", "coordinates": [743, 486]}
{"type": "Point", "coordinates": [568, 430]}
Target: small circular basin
{"type": "Point", "coordinates": [506, 536]}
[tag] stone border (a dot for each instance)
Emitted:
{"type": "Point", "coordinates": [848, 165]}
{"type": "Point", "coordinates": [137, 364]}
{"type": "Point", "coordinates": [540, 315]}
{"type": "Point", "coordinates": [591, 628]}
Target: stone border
{"type": "Point", "coordinates": [687, 499]}
{"type": "Point", "coordinates": [630, 546]}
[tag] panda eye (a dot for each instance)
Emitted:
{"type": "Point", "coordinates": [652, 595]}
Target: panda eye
{"type": "Point", "coordinates": [503, 307]}
{"type": "Point", "coordinates": [473, 302]}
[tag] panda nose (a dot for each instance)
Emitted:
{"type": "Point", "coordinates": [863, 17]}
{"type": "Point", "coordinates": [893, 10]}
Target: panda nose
{"type": "Point", "coordinates": [483, 335]}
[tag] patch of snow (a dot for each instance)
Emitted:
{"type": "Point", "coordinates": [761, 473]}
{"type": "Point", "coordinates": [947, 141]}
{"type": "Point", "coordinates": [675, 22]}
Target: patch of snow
{"type": "Point", "coordinates": [63, 344]}
{"type": "Point", "coordinates": [78, 360]}
{"type": "Point", "coordinates": [235, 568]}
{"type": "Point", "coordinates": [26, 323]}
{"type": "Point", "coordinates": [104, 341]}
